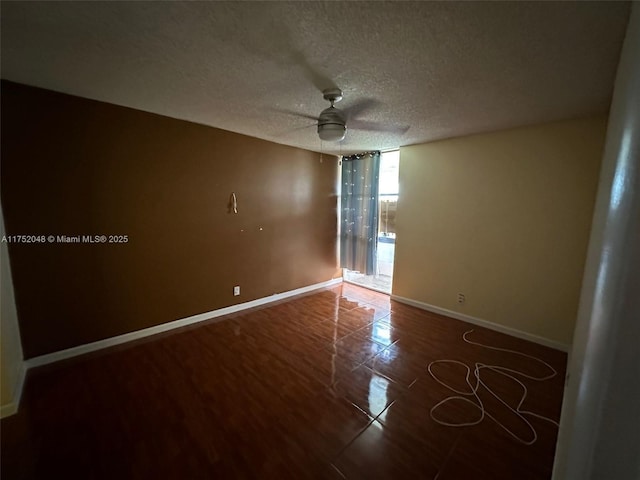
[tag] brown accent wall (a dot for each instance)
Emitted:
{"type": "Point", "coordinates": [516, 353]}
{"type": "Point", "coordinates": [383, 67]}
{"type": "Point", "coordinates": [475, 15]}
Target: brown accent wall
{"type": "Point", "coordinates": [72, 166]}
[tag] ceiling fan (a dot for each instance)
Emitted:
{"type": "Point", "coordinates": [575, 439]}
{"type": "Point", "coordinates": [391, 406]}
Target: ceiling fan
{"type": "Point", "coordinates": [332, 124]}
{"type": "Point", "coordinates": [332, 121]}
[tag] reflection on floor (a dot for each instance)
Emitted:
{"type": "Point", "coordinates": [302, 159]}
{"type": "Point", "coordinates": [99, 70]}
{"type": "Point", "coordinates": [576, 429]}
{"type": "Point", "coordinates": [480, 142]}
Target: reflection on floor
{"type": "Point", "coordinates": [330, 385]}
{"type": "Point", "coordinates": [382, 281]}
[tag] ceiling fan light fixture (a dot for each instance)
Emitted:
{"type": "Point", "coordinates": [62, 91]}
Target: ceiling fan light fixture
{"type": "Point", "coordinates": [332, 126]}
{"type": "Point", "coordinates": [332, 132]}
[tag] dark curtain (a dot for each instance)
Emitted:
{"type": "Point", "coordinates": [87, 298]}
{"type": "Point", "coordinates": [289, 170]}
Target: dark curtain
{"type": "Point", "coordinates": [359, 212]}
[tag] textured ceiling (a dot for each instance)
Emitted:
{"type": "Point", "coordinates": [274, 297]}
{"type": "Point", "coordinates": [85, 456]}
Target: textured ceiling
{"type": "Point", "coordinates": [411, 72]}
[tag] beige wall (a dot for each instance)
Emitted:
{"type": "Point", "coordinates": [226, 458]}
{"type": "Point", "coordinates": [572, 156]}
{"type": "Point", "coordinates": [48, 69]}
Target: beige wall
{"type": "Point", "coordinates": [11, 350]}
{"type": "Point", "coordinates": [504, 218]}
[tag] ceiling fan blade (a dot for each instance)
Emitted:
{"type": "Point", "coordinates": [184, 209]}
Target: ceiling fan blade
{"type": "Point", "coordinates": [289, 131]}
{"type": "Point", "coordinates": [360, 107]}
{"type": "Point", "coordinates": [284, 43]}
{"type": "Point", "coordinates": [377, 127]}
{"type": "Point", "coordinates": [315, 124]}
{"type": "Point", "coordinates": [297, 114]}
{"type": "Point", "coordinates": [320, 81]}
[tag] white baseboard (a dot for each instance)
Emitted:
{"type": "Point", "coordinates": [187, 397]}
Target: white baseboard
{"type": "Point", "coordinates": [484, 323]}
{"type": "Point", "coordinates": [127, 337]}
{"type": "Point", "coordinates": [12, 407]}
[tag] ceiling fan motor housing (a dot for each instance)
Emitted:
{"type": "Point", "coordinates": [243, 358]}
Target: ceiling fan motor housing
{"type": "Point", "coordinates": [331, 124]}
{"type": "Point", "coordinates": [331, 115]}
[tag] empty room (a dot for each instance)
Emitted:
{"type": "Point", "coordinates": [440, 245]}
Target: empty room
{"type": "Point", "coordinates": [320, 240]}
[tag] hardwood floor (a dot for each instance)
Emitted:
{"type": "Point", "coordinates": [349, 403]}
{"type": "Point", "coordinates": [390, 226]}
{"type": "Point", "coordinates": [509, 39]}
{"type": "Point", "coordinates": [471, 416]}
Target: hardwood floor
{"type": "Point", "coordinates": [330, 385]}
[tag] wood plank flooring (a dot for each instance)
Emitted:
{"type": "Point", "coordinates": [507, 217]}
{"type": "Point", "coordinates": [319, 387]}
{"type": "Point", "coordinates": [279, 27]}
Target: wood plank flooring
{"type": "Point", "coordinates": [330, 385]}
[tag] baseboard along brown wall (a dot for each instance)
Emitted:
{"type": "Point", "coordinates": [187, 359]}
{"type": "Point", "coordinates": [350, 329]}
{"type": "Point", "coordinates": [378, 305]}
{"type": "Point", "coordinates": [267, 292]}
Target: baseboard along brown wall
{"type": "Point", "coordinates": [73, 167]}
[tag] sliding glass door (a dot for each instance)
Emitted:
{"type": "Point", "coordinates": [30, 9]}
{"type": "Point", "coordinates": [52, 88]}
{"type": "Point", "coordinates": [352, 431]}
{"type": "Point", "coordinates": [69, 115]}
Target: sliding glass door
{"type": "Point", "coordinates": [381, 276]}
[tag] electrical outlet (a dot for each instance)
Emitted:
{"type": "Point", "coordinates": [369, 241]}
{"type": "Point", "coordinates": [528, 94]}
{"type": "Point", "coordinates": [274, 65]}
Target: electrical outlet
{"type": "Point", "coordinates": [461, 298]}
{"type": "Point", "coordinates": [236, 290]}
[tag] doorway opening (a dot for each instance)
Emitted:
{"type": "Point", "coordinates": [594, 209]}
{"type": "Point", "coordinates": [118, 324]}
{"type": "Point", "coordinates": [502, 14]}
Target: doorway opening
{"type": "Point", "coordinates": [386, 240]}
